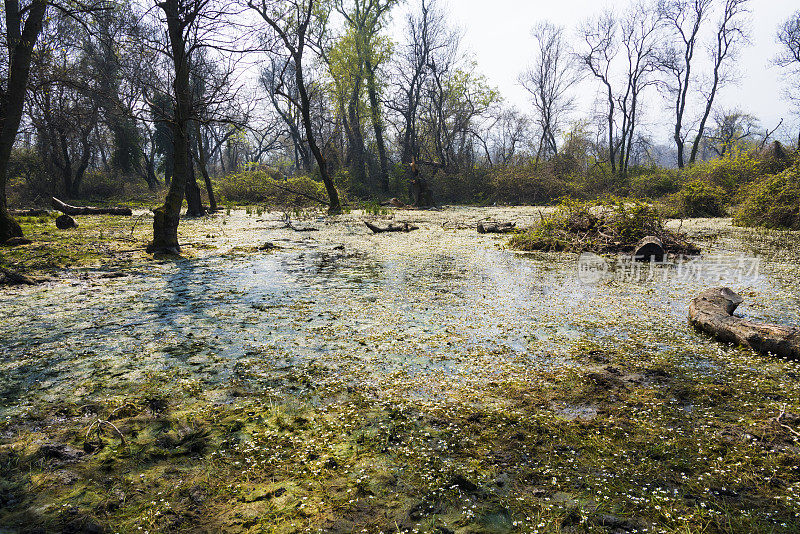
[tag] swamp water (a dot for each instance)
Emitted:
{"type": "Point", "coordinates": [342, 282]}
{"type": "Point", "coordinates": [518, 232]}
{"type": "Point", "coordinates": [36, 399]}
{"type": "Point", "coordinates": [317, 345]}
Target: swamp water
{"type": "Point", "coordinates": [434, 381]}
{"type": "Point", "coordinates": [417, 311]}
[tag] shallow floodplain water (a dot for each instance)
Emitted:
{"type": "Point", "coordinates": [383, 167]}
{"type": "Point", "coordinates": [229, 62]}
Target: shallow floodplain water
{"type": "Point", "coordinates": [413, 312]}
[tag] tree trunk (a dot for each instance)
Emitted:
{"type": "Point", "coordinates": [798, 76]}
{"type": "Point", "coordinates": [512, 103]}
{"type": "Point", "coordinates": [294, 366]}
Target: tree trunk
{"type": "Point", "coordinates": [334, 207]}
{"type": "Point", "coordinates": [20, 41]}
{"type": "Point", "coordinates": [201, 154]}
{"type": "Point", "coordinates": [357, 149]}
{"type": "Point", "coordinates": [712, 312]}
{"type": "Point", "coordinates": [194, 198]}
{"type": "Point", "coordinates": [377, 125]}
{"type": "Point", "coordinates": [167, 217]}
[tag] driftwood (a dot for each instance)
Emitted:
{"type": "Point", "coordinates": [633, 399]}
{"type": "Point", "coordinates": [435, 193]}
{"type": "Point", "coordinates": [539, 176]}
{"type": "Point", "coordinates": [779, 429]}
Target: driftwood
{"type": "Point", "coordinates": [65, 222]}
{"type": "Point", "coordinates": [496, 228]}
{"type": "Point", "coordinates": [650, 248]}
{"type": "Point", "coordinates": [393, 227]}
{"type": "Point", "coordinates": [712, 312]}
{"type": "Point", "coordinates": [88, 210]}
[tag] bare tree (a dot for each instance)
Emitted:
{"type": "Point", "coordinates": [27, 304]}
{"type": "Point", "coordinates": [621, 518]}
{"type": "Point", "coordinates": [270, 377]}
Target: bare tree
{"type": "Point", "coordinates": [293, 24]}
{"type": "Point", "coordinates": [600, 38]}
{"type": "Point", "coordinates": [549, 81]}
{"type": "Point", "coordinates": [636, 35]}
{"type": "Point", "coordinates": [789, 56]}
{"type": "Point", "coordinates": [428, 36]}
{"type": "Point", "coordinates": [731, 128]}
{"type": "Point", "coordinates": [730, 35]}
{"type": "Point", "coordinates": [640, 33]}
{"type": "Point", "coordinates": [684, 19]}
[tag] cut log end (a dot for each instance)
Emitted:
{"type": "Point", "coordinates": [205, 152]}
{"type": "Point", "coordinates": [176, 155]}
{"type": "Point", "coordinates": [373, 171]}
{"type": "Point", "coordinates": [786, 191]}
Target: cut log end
{"type": "Point", "coordinates": [65, 222]}
{"type": "Point", "coordinates": [650, 248]}
{"type": "Point", "coordinates": [712, 312]}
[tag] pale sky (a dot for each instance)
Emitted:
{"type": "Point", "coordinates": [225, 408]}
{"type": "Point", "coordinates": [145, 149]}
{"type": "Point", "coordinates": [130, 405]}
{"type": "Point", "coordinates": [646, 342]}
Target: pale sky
{"type": "Point", "coordinates": [498, 33]}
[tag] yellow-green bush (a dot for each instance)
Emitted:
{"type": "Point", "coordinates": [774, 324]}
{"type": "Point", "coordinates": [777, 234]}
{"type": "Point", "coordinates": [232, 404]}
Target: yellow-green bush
{"type": "Point", "coordinates": [773, 202]}
{"type": "Point", "coordinates": [655, 184]}
{"type": "Point", "coordinates": [259, 185]}
{"type": "Point", "coordinates": [700, 198]}
{"type": "Point", "coordinates": [737, 168]}
{"type": "Point", "coordinates": [527, 184]}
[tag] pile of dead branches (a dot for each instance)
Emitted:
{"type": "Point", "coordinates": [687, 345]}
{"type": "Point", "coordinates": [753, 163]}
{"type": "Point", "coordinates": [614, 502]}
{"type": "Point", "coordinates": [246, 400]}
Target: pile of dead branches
{"type": "Point", "coordinates": [609, 226]}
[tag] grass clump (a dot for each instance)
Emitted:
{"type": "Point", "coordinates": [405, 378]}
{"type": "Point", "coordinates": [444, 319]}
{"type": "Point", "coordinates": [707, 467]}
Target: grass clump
{"type": "Point", "coordinates": [611, 225]}
{"type": "Point", "coordinates": [773, 202]}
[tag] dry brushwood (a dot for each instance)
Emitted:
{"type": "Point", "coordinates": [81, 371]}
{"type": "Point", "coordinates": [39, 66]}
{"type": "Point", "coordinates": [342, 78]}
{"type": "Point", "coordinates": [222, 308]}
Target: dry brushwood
{"type": "Point", "coordinates": [604, 229]}
{"type": "Point", "coordinates": [97, 426]}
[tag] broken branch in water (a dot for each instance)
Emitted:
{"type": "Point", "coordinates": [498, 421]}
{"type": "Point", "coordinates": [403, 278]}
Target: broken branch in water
{"type": "Point", "coordinates": [14, 278]}
{"type": "Point", "coordinates": [393, 227]}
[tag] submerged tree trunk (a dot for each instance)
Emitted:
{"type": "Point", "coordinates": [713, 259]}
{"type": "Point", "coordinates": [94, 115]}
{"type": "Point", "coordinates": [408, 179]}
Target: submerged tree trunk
{"type": "Point", "coordinates": [167, 217]}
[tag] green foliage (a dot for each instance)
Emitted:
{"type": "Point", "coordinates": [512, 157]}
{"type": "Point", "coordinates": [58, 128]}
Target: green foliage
{"type": "Point", "coordinates": [773, 202]}
{"type": "Point", "coordinates": [737, 168]}
{"type": "Point", "coordinates": [528, 184]}
{"type": "Point", "coordinates": [259, 185]}
{"type": "Point", "coordinates": [655, 183]}
{"type": "Point", "coordinates": [697, 198]}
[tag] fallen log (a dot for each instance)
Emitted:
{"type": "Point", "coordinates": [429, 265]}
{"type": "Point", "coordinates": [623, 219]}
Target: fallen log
{"type": "Point", "coordinates": [17, 242]}
{"type": "Point", "coordinates": [88, 210]}
{"type": "Point", "coordinates": [13, 278]}
{"type": "Point", "coordinates": [393, 227]}
{"type": "Point", "coordinates": [712, 312]}
{"type": "Point", "coordinates": [393, 203]}
{"type": "Point", "coordinates": [650, 248]}
{"type": "Point", "coordinates": [29, 213]}
{"type": "Point", "coordinates": [496, 227]}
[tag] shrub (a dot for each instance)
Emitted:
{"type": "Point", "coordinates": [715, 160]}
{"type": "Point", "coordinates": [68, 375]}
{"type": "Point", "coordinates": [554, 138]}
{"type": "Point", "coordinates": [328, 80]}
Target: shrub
{"type": "Point", "coordinates": [29, 183]}
{"type": "Point", "coordinates": [527, 184]}
{"type": "Point", "coordinates": [259, 185]}
{"type": "Point", "coordinates": [773, 202]}
{"type": "Point", "coordinates": [737, 168]}
{"type": "Point", "coordinates": [702, 199]}
{"type": "Point", "coordinates": [656, 183]}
